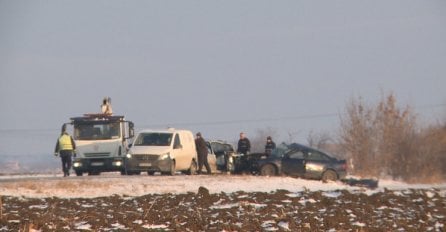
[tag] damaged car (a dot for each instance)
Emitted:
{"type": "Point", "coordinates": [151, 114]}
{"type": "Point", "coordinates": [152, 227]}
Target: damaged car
{"type": "Point", "coordinates": [221, 156]}
{"type": "Point", "coordinates": [300, 161]}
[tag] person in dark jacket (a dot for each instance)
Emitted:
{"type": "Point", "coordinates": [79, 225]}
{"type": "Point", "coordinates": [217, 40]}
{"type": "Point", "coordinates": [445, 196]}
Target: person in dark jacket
{"type": "Point", "coordinates": [269, 146]}
{"type": "Point", "coordinates": [202, 152]}
{"type": "Point", "coordinates": [244, 145]}
{"type": "Point", "coordinates": [65, 147]}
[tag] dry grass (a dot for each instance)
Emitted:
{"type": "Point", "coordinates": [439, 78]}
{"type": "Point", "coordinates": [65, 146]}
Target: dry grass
{"type": "Point", "coordinates": [29, 185]}
{"type": "Point", "coordinates": [66, 185]}
{"type": "Point", "coordinates": [81, 184]}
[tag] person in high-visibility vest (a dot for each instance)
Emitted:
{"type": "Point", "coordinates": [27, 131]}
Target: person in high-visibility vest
{"type": "Point", "coordinates": [66, 148]}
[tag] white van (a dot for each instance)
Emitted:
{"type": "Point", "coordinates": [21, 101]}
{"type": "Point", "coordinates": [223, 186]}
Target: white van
{"type": "Point", "coordinates": [165, 151]}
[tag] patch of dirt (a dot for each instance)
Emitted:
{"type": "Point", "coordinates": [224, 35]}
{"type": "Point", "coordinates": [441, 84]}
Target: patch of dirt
{"type": "Point", "coordinates": [407, 210]}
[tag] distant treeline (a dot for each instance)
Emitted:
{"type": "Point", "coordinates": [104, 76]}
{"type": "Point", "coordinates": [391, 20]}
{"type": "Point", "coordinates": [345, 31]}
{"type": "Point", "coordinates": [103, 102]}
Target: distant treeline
{"type": "Point", "coordinates": [382, 140]}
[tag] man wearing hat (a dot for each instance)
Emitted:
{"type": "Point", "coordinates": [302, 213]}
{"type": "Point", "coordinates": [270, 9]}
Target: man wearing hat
{"type": "Point", "coordinates": [202, 152]}
{"type": "Point", "coordinates": [269, 146]}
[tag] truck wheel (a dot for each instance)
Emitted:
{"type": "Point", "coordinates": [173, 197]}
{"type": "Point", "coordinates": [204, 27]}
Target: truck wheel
{"type": "Point", "coordinates": [268, 170]}
{"type": "Point", "coordinates": [79, 173]}
{"type": "Point", "coordinates": [329, 175]}
{"type": "Point", "coordinates": [192, 169]}
{"type": "Point", "coordinates": [94, 173]}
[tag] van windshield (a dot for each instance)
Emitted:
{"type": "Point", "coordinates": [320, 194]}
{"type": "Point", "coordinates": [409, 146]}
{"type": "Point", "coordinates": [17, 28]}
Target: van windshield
{"type": "Point", "coordinates": [97, 131]}
{"type": "Point", "coordinates": [153, 139]}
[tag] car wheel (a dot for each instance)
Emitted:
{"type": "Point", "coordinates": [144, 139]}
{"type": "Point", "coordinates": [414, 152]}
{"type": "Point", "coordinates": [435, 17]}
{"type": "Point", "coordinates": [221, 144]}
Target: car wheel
{"type": "Point", "coordinates": [268, 170]}
{"type": "Point", "coordinates": [150, 173]}
{"type": "Point", "coordinates": [329, 175]}
{"type": "Point", "coordinates": [193, 168]}
{"type": "Point", "coordinates": [78, 173]}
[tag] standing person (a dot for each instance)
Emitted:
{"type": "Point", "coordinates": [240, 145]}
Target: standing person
{"type": "Point", "coordinates": [244, 145]}
{"type": "Point", "coordinates": [65, 147]}
{"type": "Point", "coordinates": [106, 106]}
{"type": "Point", "coordinates": [202, 152]}
{"type": "Point", "coordinates": [269, 146]}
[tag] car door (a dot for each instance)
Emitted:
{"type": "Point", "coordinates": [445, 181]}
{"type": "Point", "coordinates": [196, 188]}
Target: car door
{"type": "Point", "coordinates": [293, 163]}
{"type": "Point", "coordinates": [178, 153]}
{"type": "Point", "coordinates": [315, 164]}
{"type": "Point", "coordinates": [211, 157]}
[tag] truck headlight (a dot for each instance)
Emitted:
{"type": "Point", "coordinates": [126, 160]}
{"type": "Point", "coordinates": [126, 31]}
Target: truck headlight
{"type": "Point", "coordinates": [117, 163]}
{"type": "Point", "coordinates": [77, 164]}
{"type": "Point", "coordinates": [129, 156]}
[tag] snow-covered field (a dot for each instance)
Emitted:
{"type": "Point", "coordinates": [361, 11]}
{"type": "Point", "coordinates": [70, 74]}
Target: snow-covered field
{"type": "Point", "coordinates": [109, 184]}
{"type": "Point", "coordinates": [112, 202]}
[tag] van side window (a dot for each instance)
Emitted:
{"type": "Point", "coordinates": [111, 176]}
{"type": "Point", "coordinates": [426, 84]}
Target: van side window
{"type": "Point", "coordinates": [177, 142]}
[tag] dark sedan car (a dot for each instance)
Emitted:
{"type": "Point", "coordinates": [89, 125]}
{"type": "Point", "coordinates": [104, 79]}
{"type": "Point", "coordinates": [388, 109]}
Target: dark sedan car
{"type": "Point", "coordinates": [302, 161]}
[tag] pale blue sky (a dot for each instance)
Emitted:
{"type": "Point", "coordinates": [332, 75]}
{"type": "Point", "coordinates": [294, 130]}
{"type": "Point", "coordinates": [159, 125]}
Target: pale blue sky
{"type": "Point", "coordinates": [196, 64]}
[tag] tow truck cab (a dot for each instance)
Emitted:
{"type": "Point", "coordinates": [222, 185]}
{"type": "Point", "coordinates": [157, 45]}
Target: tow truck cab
{"type": "Point", "coordinates": [101, 143]}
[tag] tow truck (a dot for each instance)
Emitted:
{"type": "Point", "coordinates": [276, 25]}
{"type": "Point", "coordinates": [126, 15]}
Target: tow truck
{"type": "Point", "coordinates": [101, 143]}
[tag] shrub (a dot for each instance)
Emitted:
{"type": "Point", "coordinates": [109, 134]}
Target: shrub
{"type": "Point", "coordinates": [384, 140]}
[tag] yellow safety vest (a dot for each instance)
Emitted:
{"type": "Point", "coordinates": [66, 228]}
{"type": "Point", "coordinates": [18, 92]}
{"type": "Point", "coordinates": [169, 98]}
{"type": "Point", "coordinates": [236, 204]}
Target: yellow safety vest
{"type": "Point", "coordinates": [65, 142]}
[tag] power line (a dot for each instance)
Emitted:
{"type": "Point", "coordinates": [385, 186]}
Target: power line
{"type": "Point", "coordinates": [285, 118]}
{"type": "Point", "coordinates": [237, 121]}
{"type": "Point", "coordinates": [222, 122]}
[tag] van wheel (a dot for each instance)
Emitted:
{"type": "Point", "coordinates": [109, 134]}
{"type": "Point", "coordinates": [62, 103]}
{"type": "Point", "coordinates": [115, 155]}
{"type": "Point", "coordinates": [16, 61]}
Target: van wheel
{"type": "Point", "coordinates": [172, 168]}
{"type": "Point", "coordinates": [192, 169]}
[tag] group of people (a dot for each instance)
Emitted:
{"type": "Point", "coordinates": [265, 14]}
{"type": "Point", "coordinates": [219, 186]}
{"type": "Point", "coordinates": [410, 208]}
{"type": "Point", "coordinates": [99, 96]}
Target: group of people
{"type": "Point", "coordinates": [66, 148]}
{"type": "Point", "coordinates": [243, 147]}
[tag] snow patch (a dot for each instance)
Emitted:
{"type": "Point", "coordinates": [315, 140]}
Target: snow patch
{"type": "Point", "coordinates": [82, 226]}
{"type": "Point", "coordinates": [155, 227]}
{"type": "Point", "coordinates": [332, 194]}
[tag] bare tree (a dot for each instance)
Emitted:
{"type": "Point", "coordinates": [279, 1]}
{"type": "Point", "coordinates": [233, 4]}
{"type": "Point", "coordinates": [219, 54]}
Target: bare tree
{"type": "Point", "coordinates": [379, 140]}
{"type": "Point", "coordinates": [430, 163]}
{"type": "Point", "coordinates": [258, 141]}
{"type": "Point", "coordinates": [357, 137]}
{"type": "Point", "coordinates": [318, 140]}
{"type": "Point", "coordinates": [292, 136]}
{"type": "Point", "coordinates": [396, 130]}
